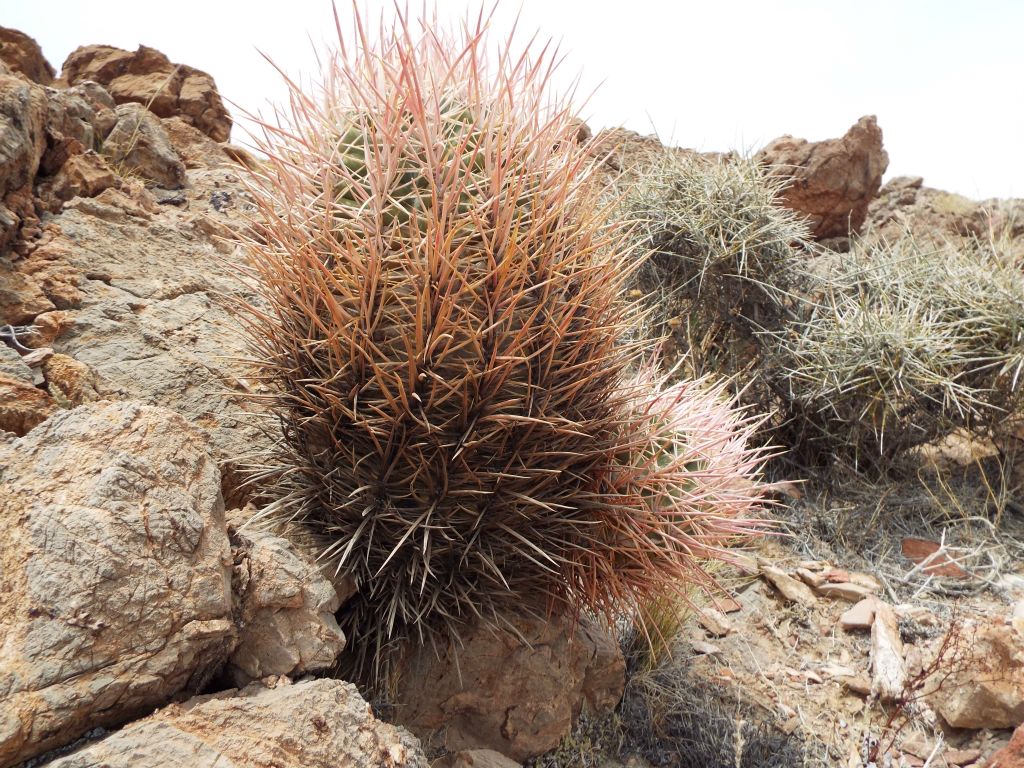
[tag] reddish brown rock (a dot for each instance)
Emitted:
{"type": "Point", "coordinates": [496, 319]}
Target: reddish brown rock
{"type": "Point", "coordinates": [84, 175]}
{"type": "Point", "coordinates": [23, 406]}
{"type": "Point", "coordinates": [23, 112]}
{"type": "Point", "coordinates": [1010, 756]}
{"type": "Point", "coordinates": [496, 693]}
{"type": "Point", "coordinates": [20, 297]}
{"type": "Point", "coordinates": [148, 77]}
{"type": "Point", "coordinates": [22, 54]}
{"type": "Point", "coordinates": [833, 181]}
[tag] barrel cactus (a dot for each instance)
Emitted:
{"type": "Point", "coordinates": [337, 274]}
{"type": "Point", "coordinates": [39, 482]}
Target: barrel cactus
{"type": "Point", "coordinates": [466, 423]}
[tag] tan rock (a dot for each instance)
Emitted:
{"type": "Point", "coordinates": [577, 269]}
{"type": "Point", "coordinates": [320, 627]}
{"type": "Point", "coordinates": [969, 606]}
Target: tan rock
{"type": "Point", "coordinates": [23, 406]}
{"type": "Point", "coordinates": [284, 609]}
{"type": "Point", "coordinates": [23, 55]}
{"type": "Point", "coordinates": [21, 298]}
{"type": "Point", "coordinates": [115, 585]}
{"type": "Point", "coordinates": [195, 148]}
{"type": "Point", "coordinates": [146, 76]}
{"type": "Point", "coordinates": [860, 616]}
{"type": "Point", "coordinates": [847, 590]}
{"type": "Point", "coordinates": [833, 181]}
{"type": "Point", "coordinates": [791, 589]}
{"type": "Point", "coordinates": [22, 143]}
{"type": "Point", "coordinates": [986, 690]}
{"type": "Point", "coordinates": [12, 366]}
{"type": "Point", "coordinates": [314, 724]}
{"type": "Point", "coordinates": [494, 692]}
{"type": "Point", "coordinates": [888, 671]}
{"type": "Point", "coordinates": [70, 382]}
{"type": "Point", "coordinates": [138, 144]}
{"type": "Point", "coordinates": [714, 621]}
{"type": "Point", "coordinates": [84, 175]}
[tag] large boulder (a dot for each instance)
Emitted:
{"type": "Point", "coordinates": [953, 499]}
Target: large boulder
{"type": "Point", "coordinates": [315, 724]}
{"type": "Point", "coordinates": [115, 589]}
{"type": "Point", "coordinates": [832, 181]}
{"type": "Point", "coordinates": [22, 54]}
{"type": "Point", "coordinates": [284, 608]}
{"type": "Point", "coordinates": [516, 691]}
{"type": "Point", "coordinates": [148, 77]}
{"type": "Point", "coordinates": [138, 144]}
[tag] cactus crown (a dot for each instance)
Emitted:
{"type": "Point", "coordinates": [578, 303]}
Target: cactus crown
{"type": "Point", "coordinates": [442, 335]}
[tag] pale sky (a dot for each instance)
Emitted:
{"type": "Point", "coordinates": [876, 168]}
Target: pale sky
{"type": "Point", "coordinates": [945, 77]}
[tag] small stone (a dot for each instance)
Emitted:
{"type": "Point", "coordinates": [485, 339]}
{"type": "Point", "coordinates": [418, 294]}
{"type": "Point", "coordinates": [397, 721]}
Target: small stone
{"type": "Point", "coordinates": [860, 616]}
{"type": "Point", "coordinates": [715, 622]}
{"type": "Point", "coordinates": [857, 683]}
{"type": "Point", "coordinates": [961, 756]}
{"type": "Point", "coordinates": [790, 588]}
{"type": "Point", "coordinates": [704, 648]}
{"type": "Point", "coordinates": [810, 578]}
{"type": "Point", "coordinates": [848, 591]}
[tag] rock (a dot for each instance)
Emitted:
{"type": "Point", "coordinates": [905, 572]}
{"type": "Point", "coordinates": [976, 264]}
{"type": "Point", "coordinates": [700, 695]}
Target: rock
{"type": "Point", "coordinates": [847, 590]}
{"type": "Point", "coordinates": [21, 299]}
{"type": "Point", "coordinates": [12, 366]}
{"type": "Point", "coordinates": [147, 290]}
{"type": "Point", "coordinates": [148, 77]}
{"type": "Point", "coordinates": [22, 142]}
{"type": "Point", "coordinates": [888, 671]}
{"type": "Point", "coordinates": [480, 758]}
{"type": "Point", "coordinates": [714, 621]}
{"type": "Point", "coordinates": [860, 616]}
{"type": "Point", "coordinates": [79, 119]}
{"type": "Point", "coordinates": [791, 589]}
{"type": "Point", "coordinates": [85, 175]}
{"type": "Point", "coordinates": [986, 690]}
{"type": "Point", "coordinates": [195, 148]}
{"type": "Point", "coordinates": [23, 406]}
{"type": "Point", "coordinates": [936, 562]}
{"type": "Point", "coordinates": [284, 610]}
{"type": "Point", "coordinates": [313, 724]}
{"type": "Point", "coordinates": [22, 54]}
{"type": "Point", "coordinates": [115, 586]}
{"type": "Point", "coordinates": [1010, 756]}
{"type": "Point", "coordinates": [71, 382]}
{"type": "Point", "coordinates": [139, 144]}
{"type": "Point", "coordinates": [833, 181]}
{"type": "Point", "coordinates": [494, 692]}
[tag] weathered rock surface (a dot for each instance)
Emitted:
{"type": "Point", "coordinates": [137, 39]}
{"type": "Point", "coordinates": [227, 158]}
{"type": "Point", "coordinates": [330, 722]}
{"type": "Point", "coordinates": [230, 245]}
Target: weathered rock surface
{"type": "Point", "coordinates": [84, 175]}
{"type": "Point", "coordinates": [496, 693]}
{"type": "Point", "coordinates": [833, 181]}
{"type": "Point", "coordinates": [22, 54]}
{"type": "Point", "coordinates": [284, 608]}
{"type": "Point", "coordinates": [115, 586]}
{"type": "Point", "coordinates": [315, 724]}
{"type": "Point", "coordinates": [140, 286]}
{"type": "Point", "coordinates": [148, 77]}
{"type": "Point", "coordinates": [139, 144]}
{"type": "Point", "coordinates": [986, 690]}
{"type": "Point", "coordinates": [23, 406]}
{"type": "Point", "coordinates": [23, 113]}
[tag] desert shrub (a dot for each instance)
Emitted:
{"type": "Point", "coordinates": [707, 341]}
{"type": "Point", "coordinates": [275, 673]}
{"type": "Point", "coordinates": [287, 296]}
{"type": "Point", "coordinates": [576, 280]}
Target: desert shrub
{"type": "Point", "coordinates": [466, 425]}
{"type": "Point", "coordinates": [725, 255]}
{"type": "Point", "coordinates": [901, 344]}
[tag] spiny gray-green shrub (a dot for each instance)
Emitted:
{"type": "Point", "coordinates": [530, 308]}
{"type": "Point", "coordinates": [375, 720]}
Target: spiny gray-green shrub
{"type": "Point", "coordinates": [900, 344]}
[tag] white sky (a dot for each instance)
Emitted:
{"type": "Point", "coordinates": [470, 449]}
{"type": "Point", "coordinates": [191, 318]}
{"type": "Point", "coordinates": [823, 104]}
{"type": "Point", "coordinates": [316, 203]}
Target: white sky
{"type": "Point", "coordinates": [945, 77]}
